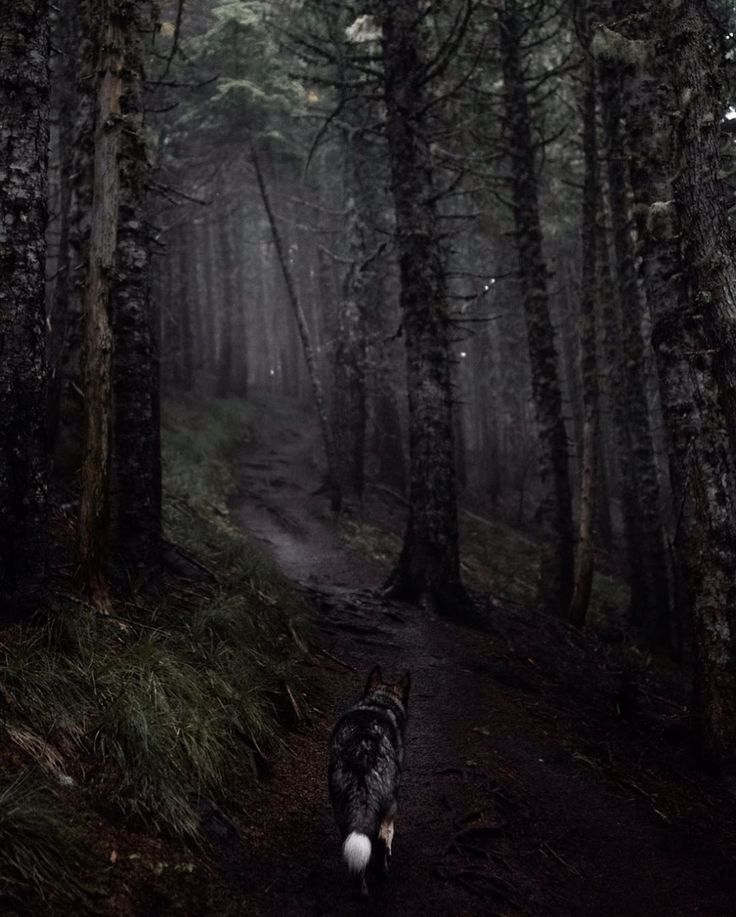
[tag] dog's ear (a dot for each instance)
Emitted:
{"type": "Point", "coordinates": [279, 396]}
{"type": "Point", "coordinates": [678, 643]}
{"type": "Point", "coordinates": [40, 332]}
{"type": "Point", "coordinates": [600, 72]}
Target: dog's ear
{"type": "Point", "coordinates": [405, 686]}
{"type": "Point", "coordinates": [375, 678]}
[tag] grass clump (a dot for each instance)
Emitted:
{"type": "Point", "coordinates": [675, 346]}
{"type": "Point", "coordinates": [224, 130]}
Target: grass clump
{"type": "Point", "coordinates": [159, 725]}
{"type": "Point", "coordinates": [36, 844]}
{"type": "Point", "coordinates": [160, 703]}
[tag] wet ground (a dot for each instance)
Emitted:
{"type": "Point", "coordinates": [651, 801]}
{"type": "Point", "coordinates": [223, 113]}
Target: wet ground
{"type": "Point", "coordinates": [536, 782]}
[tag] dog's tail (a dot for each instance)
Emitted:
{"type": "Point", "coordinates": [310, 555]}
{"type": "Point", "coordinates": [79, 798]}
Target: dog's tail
{"type": "Point", "coordinates": [357, 851]}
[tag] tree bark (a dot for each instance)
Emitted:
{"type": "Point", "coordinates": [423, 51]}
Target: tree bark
{"type": "Point", "coordinates": [696, 352]}
{"type": "Point", "coordinates": [350, 400]}
{"type": "Point", "coordinates": [650, 596]}
{"type": "Point", "coordinates": [585, 553]}
{"type": "Point", "coordinates": [555, 513]}
{"type": "Point", "coordinates": [137, 450]}
{"type": "Point", "coordinates": [230, 303]}
{"type": "Point", "coordinates": [429, 565]}
{"type": "Point", "coordinates": [66, 398]}
{"type": "Point", "coordinates": [24, 137]}
{"type": "Point", "coordinates": [66, 31]}
{"type": "Point", "coordinates": [94, 536]}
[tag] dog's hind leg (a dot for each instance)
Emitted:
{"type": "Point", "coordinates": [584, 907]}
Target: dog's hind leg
{"type": "Point", "coordinates": [386, 835]}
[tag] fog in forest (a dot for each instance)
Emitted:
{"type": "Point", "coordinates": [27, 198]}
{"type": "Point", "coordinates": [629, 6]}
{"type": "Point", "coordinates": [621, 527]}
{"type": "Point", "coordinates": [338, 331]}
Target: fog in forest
{"type": "Point", "coordinates": [367, 340]}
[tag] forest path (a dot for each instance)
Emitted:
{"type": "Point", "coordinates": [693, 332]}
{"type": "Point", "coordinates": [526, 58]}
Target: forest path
{"type": "Point", "coordinates": [523, 793]}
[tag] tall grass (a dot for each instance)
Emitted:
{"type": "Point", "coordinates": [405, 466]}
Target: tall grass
{"type": "Point", "coordinates": [166, 700]}
{"type": "Point", "coordinates": [36, 844]}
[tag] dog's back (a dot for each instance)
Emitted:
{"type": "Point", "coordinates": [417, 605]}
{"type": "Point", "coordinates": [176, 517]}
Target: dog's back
{"type": "Point", "coordinates": [366, 755]}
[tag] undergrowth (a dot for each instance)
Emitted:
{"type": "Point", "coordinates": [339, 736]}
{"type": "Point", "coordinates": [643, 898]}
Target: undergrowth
{"type": "Point", "coordinates": [36, 843]}
{"type": "Point", "coordinates": [155, 705]}
{"type": "Point", "coordinates": [500, 560]}
{"type": "Point", "coordinates": [496, 559]}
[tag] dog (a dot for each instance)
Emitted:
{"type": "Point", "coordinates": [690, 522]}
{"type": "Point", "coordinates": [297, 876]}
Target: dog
{"type": "Point", "coordinates": [366, 758]}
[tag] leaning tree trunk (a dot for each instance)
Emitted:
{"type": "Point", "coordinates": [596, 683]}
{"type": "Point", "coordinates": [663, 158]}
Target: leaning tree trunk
{"type": "Point", "coordinates": [429, 565]}
{"type": "Point", "coordinates": [650, 594]}
{"type": "Point", "coordinates": [696, 352]}
{"type": "Point", "coordinates": [137, 452]}
{"type": "Point", "coordinates": [24, 136]}
{"type": "Point", "coordinates": [333, 482]}
{"type": "Point", "coordinates": [94, 540]}
{"type": "Point", "coordinates": [555, 514]}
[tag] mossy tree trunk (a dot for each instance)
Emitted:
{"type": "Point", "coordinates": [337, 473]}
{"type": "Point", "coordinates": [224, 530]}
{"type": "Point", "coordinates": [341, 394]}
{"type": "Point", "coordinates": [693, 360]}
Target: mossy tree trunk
{"type": "Point", "coordinates": [24, 137]}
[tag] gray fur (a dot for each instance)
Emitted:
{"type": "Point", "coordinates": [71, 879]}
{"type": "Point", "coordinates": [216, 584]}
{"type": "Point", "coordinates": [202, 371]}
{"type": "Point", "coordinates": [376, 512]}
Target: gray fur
{"type": "Point", "coordinates": [366, 756]}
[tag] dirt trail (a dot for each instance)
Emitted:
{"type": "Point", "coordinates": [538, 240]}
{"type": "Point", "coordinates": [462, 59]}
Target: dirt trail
{"type": "Point", "coordinates": [525, 791]}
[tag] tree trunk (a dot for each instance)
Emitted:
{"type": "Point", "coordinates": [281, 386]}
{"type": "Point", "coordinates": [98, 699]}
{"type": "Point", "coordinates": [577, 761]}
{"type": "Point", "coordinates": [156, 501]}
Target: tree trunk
{"type": "Point", "coordinates": [137, 452]}
{"type": "Point", "coordinates": [24, 137]}
{"type": "Point", "coordinates": [94, 542]}
{"type": "Point", "coordinates": [585, 554]}
{"type": "Point", "coordinates": [240, 371]}
{"type": "Point", "coordinates": [555, 513]}
{"type": "Point", "coordinates": [203, 241]}
{"type": "Point", "coordinates": [229, 305]}
{"type": "Point", "coordinates": [66, 397]}
{"type": "Point", "coordinates": [613, 360]}
{"type": "Point", "coordinates": [429, 565]}
{"type": "Point", "coordinates": [306, 340]}
{"type": "Point", "coordinates": [185, 291]}
{"type": "Point", "coordinates": [349, 405]}
{"type": "Point", "coordinates": [65, 35]}
{"type": "Point", "coordinates": [650, 599]}
{"type": "Point", "coordinates": [696, 352]}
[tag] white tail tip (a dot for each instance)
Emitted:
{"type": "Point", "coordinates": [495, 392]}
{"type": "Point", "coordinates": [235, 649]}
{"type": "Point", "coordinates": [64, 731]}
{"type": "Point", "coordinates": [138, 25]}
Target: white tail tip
{"type": "Point", "coordinates": [357, 851]}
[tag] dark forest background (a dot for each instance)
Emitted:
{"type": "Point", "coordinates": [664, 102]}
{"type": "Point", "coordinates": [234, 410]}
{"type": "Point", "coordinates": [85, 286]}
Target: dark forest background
{"type": "Point", "coordinates": [485, 244]}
